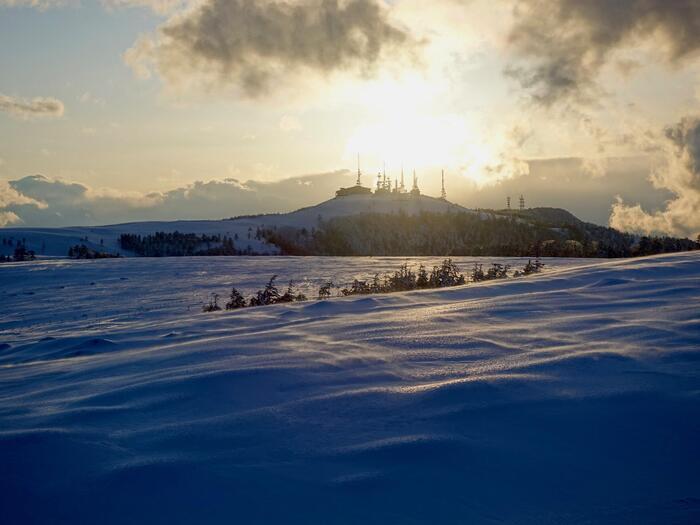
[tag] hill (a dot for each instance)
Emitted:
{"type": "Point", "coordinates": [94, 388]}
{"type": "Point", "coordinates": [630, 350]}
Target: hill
{"type": "Point", "coordinates": [57, 241]}
{"type": "Point", "coordinates": [546, 232]}
{"type": "Point", "coordinates": [357, 225]}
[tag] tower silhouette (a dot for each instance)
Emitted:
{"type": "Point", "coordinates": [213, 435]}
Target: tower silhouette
{"type": "Point", "coordinates": [508, 203]}
{"type": "Point", "coordinates": [359, 173]}
{"type": "Point", "coordinates": [443, 193]}
{"type": "Point", "coordinates": [522, 203]}
{"type": "Point", "coordinates": [415, 191]}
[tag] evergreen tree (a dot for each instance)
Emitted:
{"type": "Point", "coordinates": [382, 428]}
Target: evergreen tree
{"type": "Point", "coordinates": [422, 281]}
{"type": "Point", "coordinates": [236, 300]}
{"type": "Point", "coordinates": [325, 291]}
{"type": "Point", "coordinates": [269, 295]}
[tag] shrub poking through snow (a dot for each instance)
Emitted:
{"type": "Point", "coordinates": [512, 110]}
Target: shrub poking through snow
{"type": "Point", "coordinates": [236, 300]}
{"type": "Point", "coordinates": [478, 273]}
{"type": "Point", "coordinates": [291, 295]}
{"type": "Point", "coordinates": [404, 279]}
{"type": "Point", "coordinates": [213, 305]}
{"type": "Point", "coordinates": [531, 267]}
{"type": "Point", "coordinates": [269, 295]}
{"type": "Point", "coordinates": [325, 291]}
{"type": "Point", "coordinates": [497, 271]}
{"type": "Point", "coordinates": [447, 274]}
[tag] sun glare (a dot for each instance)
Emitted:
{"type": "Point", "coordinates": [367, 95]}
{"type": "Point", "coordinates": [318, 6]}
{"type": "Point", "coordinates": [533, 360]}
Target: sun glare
{"type": "Point", "coordinates": [409, 129]}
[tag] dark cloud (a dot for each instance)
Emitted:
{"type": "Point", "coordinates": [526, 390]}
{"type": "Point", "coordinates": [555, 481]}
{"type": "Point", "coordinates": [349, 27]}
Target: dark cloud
{"type": "Point", "coordinates": [36, 107]}
{"type": "Point", "coordinates": [564, 43]}
{"type": "Point", "coordinates": [255, 44]}
{"type": "Point", "coordinates": [679, 174]}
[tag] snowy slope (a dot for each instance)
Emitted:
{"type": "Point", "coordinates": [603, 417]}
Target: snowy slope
{"type": "Point", "coordinates": [357, 204]}
{"type": "Point", "coordinates": [55, 242]}
{"type": "Point", "coordinates": [569, 397]}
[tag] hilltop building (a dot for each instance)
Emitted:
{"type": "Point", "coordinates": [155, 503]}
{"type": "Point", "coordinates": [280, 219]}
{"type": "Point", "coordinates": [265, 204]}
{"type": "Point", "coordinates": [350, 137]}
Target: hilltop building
{"type": "Point", "coordinates": [386, 187]}
{"type": "Point", "coordinates": [357, 189]}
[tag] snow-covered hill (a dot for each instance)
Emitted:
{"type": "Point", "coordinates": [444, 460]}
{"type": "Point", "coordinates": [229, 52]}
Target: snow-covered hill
{"type": "Point", "coordinates": [56, 241]}
{"type": "Point", "coordinates": [569, 397]}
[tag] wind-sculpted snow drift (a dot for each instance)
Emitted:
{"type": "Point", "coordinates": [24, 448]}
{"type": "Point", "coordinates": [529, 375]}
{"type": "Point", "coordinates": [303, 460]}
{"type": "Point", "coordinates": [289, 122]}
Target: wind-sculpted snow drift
{"type": "Point", "coordinates": [568, 397]}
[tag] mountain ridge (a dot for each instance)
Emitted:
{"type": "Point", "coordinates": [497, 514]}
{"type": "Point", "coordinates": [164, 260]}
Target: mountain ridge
{"type": "Point", "coordinates": [269, 234]}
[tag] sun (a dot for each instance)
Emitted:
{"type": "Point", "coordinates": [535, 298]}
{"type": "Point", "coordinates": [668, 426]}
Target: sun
{"type": "Point", "coordinates": [410, 127]}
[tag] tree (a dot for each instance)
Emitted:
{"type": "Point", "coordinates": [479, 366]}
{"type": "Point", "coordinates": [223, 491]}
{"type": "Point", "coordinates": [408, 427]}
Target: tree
{"type": "Point", "coordinates": [236, 300]}
{"type": "Point", "coordinates": [325, 291]}
{"type": "Point", "coordinates": [288, 296]}
{"type": "Point", "coordinates": [22, 254]}
{"type": "Point", "coordinates": [269, 295]}
{"type": "Point", "coordinates": [422, 281]}
{"type": "Point", "coordinates": [477, 273]}
{"type": "Point", "coordinates": [213, 305]}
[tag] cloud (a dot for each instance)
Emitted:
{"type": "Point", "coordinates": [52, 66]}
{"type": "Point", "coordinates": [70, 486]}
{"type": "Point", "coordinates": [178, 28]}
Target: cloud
{"type": "Point", "coordinates": [34, 108]}
{"type": "Point", "coordinates": [564, 44]}
{"type": "Point", "coordinates": [158, 6]}
{"type": "Point", "coordinates": [257, 45]}
{"type": "Point", "coordinates": [11, 198]}
{"type": "Point", "coordinates": [39, 201]}
{"type": "Point", "coordinates": [680, 174]}
{"type": "Point", "coordinates": [290, 123]}
{"type": "Point", "coordinates": [38, 4]}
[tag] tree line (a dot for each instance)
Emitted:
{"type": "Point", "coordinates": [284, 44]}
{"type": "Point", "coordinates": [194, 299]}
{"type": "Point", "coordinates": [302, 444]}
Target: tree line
{"type": "Point", "coordinates": [467, 234]}
{"type": "Point", "coordinates": [20, 253]}
{"type": "Point", "coordinates": [176, 244]}
{"type": "Point", "coordinates": [81, 251]}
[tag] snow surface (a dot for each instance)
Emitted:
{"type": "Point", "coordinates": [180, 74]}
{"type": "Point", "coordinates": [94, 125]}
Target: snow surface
{"type": "Point", "coordinates": [568, 397]}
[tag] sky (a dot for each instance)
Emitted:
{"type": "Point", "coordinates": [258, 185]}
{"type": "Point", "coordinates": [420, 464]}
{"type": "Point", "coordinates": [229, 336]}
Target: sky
{"type": "Point", "coordinates": [117, 110]}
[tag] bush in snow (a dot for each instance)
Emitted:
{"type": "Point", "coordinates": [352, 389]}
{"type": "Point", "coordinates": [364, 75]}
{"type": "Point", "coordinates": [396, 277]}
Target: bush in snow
{"type": "Point", "coordinates": [213, 305]}
{"type": "Point", "coordinates": [269, 295]}
{"type": "Point", "coordinates": [236, 300]}
{"type": "Point", "coordinates": [325, 291]}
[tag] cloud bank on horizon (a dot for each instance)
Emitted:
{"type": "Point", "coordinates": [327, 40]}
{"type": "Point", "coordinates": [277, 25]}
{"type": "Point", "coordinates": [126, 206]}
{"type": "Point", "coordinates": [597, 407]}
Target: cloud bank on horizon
{"type": "Point", "coordinates": [594, 79]}
{"type": "Point", "coordinates": [37, 200]}
{"type": "Point", "coordinates": [588, 193]}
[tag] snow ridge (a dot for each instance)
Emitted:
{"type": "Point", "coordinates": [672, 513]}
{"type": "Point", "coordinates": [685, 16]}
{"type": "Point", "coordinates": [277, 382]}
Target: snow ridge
{"type": "Point", "coordinates": [568, 397]}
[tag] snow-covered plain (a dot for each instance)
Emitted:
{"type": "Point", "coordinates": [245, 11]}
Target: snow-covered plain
{"type": "Point", "coordinates": [567, 397]}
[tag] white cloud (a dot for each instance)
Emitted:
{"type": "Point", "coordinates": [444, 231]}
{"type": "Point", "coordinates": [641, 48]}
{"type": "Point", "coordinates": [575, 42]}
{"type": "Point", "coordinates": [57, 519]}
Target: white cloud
{"type": "Point", "coordinates": [31, 108]}
{"type": "Point", "coordinates": [8, 218]}
{"type": "Point", "coordinates": [158, 6]}
{"type": "Point", "coordinates": [40, 201]}
{"type": "Point", "coordinates": [680, 174]}
{"type": "Point", "coordinates": [290, 123]}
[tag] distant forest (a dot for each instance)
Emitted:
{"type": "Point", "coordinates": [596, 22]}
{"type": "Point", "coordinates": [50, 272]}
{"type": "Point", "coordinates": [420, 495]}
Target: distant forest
{"type": "Point", "coordinates": [178, 244]}
{"type": "Point", "coordinates": [543, 232]}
